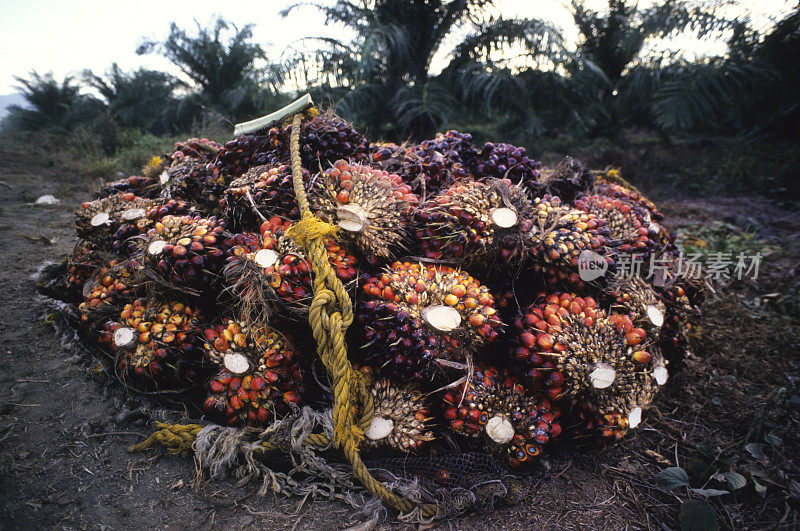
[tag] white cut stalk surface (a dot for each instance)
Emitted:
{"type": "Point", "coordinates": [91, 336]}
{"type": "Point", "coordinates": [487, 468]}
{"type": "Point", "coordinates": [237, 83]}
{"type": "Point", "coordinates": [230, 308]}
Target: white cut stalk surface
{"type": "Point", "coordinates": [602, 376]}
{"type": "Point", "coordinates": [265, 258]}
{"type": "Point", "coordinates": [124, 337]}
{"type": "Point", "coordinates": [661, 374]}
{"type": "Point", "coordinates": [442, 318]}
{"type": "Point", "coordinates": [133, 213]}
{"type": "Point", "coordinates": [499, 429]}
{"type": "Point", "coordinates": [503, 217]}
{"type": "Point", "coordinates": [156, 247]}
{"type": "Point", "coordinates": [655, 315]}
{"type": "Point", "coordinates": [236, 363]}
{"type": "Point", "coordinates": [379, 428]}
{"type": "Point", "coordinates": [635, 417]}
{"type": "Point", "coordinates": [351, 218]}
{"type": "Point", "coordinates": [101, 218]}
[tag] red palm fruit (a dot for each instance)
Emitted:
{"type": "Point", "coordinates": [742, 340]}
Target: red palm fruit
{"type": "Point", "coordinates": [108, 289]}
{"type": "Point", "coordinates": [412, 315]}
{"type": "Point", "coordinates": [493, 405]}
{"type": "Point", "coordinates": [478, 223]}
{"type": "Point", "coordinates": [269, 189]}
{"type": "Point", "coordinates": [606, 186]}
{"type": "Point", "coordinates": [177, 249]}
{"type": "Point", "coordinates": [81, 264]}
{"type": "Point", "coordinates": [372, 207]}
{"type": "Point", "coordinates": [575, 352]}
{"type": "Point", "coordinates": [401, 419]}
{"type": "Point", "coordinates": [153, 340]}
{"type": "Point", "coordinates": [142, 186]}
{"type": "Point", "coordinates": [258, 376]}
{"type": "Point", "coordinates": [638, 299]}
{"type": "Point", "coordinates": [270, 271]}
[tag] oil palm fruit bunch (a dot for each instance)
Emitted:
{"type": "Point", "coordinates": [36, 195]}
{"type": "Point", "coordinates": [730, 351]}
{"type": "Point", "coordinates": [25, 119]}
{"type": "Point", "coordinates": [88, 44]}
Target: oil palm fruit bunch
{"type": "Point", "coordinates": [111, 285]}
{"type": "Point", "coordinates": [454, 146]}
{"type": "Point", "coordinates": [402, 417]}
{"type": "Point", "coordinates": [258, 376]}
{"type": "Point", "coordinates": [323, 140]}
{"type": "Point", "coordinates": [492, 404]}
{"type": "Point", "coordinates": [187, 251]}
{"type": "Point", "coordinates": [198, 148]}
{"type": "Point", "coordinates": [506, 161]}
{"type": "Point", "coordinates": [274, 272]}
{"type": "Point", "coordinates": [267, 189]}
{"type": "Point", "coordinates": [605, 185]}
{"type": "Point", "coordinates": [414, 315]}
{"type": "Point", "coordinates": [575, 351]}
{"type": "Point", "coordinates": [99, 220]}
{"type": "Point", "coordinates": [421, 166]}
{"type": "Point", "coordinates": [567, 180]}
{"type": "Point", "coordinates": [246, 151]}
{"type": "Point", "coordinates": [153, 340]}
{"type": "Point", "coordinates": [196, 181]}
{"type": "Point", "coordinates": [371, 206]}
{"type": "Point", "coordinates": [633, 296]}
{"type": "Point", "coordinates": [141, 186]}
{"type": "Point", "coordinates": [561, 235]}
{"type": "Point", "coordinates": [155, 210]}
{"type": "Point", "coordinates": [83, 261]}
{"type": "Point", "coordinates": [486, 223]}
{"type": "Point", "coordinates": [629, 227]}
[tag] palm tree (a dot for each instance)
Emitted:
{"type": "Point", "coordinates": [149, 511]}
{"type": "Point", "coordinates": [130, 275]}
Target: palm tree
{"type": "Point", "coordinates": [385, 69]}
{"type": "Point", "coordinates": [224, 65]}
{"type": "Point", "coordinates": [54, 105]}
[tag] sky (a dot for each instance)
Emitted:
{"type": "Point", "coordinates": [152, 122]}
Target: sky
{"type": "Point", "coordinates": [68, 36]}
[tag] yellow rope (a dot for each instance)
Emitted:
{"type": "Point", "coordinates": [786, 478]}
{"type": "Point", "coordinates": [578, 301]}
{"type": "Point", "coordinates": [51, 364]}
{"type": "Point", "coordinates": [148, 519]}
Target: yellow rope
{"type": "Point", "coordinates": [330, 314]}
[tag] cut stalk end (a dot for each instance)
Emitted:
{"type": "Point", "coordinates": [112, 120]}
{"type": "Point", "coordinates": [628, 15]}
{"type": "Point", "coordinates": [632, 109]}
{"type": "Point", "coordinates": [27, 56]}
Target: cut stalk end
{"type": "Point", "coordinates": [442, 318]}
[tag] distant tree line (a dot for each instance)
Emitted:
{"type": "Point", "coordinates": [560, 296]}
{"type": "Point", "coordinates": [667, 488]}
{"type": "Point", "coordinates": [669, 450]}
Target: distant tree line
{"type": "Point", "coordinates": [515, 76]}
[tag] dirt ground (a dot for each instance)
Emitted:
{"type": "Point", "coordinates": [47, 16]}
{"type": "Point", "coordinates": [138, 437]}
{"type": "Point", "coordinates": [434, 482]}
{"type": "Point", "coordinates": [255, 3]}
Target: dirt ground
{"type": "Point", "coordinates": [64, 427]}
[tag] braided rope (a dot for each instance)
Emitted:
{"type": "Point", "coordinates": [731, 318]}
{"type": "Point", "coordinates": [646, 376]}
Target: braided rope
{"type": "Point", "coordinates": [176, 438]}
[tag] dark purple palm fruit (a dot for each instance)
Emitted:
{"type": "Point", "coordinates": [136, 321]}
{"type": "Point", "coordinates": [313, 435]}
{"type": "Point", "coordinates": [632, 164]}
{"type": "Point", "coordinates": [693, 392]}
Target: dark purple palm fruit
{"type": "Point", "coordinates": [258, 376]}
{"type": "Point", "coordinates": [195, 180]}
{"type": "Point", "coordinates": [426, 169]}
{"type": "Point", "coordinates": [125, 239]}
{"type": "Point", "coordinates": [237, 156]}
{"type": "Point", "coordinates": [567, 180]}
{"type": "Point", "coordinates": [323, 140]}
{"type": "Point", "coordinates": [371, 207]}
{"type": "Point", "coordinates": [561, 235]}
{"type": "Point", "coordinates": [153, 341]}
{"type": "Point", "coordinates": [488, 224]}
{"type": "Point", "coordinates": [454, 146]}
{"type": "Point", "coordinates": [492, 404]}
{"type": "Point", "coordinates": [186, 251]}
{"type": "Point", "coordinates": [630, 230]}
{"type": "Point", "coordinates": [505, 161]}
{"type": "Point", "coordinates": [146, 187]}
{"type": "Point", "coordinates": [576, 353]}
{"type": "Point", "coordinates": [264, 190]}
{"type": "Point", "coordinates": [99, 220]}
{"type": "Point", "coordinates": [413, 315]}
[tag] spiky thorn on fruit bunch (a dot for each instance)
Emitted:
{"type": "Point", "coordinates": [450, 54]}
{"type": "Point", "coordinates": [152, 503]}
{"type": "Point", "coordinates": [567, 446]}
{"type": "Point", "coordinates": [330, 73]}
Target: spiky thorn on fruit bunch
{"type": "Point", "coordinates": [630, 230]}
{"type": "Point", "coordinates": [561, 235]}
{"type": "Point", "coordinates": [125, 241]}
{"type": "Point", "coordinates": [401, 419]}
{"type": "Point", "coordinates": [478, 223]}
{"type": "Point", "coordinates": [261, 191]}
{"type": "Point", "coordinates": [110, 286]}
{"type": "Point", "coordinates": [258, 376]}
{"type": "Point", "coordinates": [187, 251]}
{"type": "Point", "coordinates": [99, 220]}
{"type": "Point", "coordinates": [323, 140]}
{"type": "Point", "coordinates": [372, 207]}
{"type": "Point", "coordinates": [81, 264]}
{"type": "Point", "coordinates": [492, 404]}
{"type": "Point", "coordinates": [633, 296]}
{"type": "Point", "coordinates": [567, 180]}
{"type": "Point", "coordinates": [506, 161]}
{"type": "Point", "coordinates": [271, 270]}
{"type": "Point", "coordinates": [607, 185]}
{"type": "Point", "coordinates": [153, 340]}
{"type": "Point", "coordinates": [576, 352]}
{"type": "Point", "coordinates": [414, 316]}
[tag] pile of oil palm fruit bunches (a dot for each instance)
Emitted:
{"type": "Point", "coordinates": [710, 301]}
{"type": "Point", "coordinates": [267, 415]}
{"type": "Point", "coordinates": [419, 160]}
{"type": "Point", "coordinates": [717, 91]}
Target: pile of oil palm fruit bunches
{"type": "Point", "coordinates": [472, 324]}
